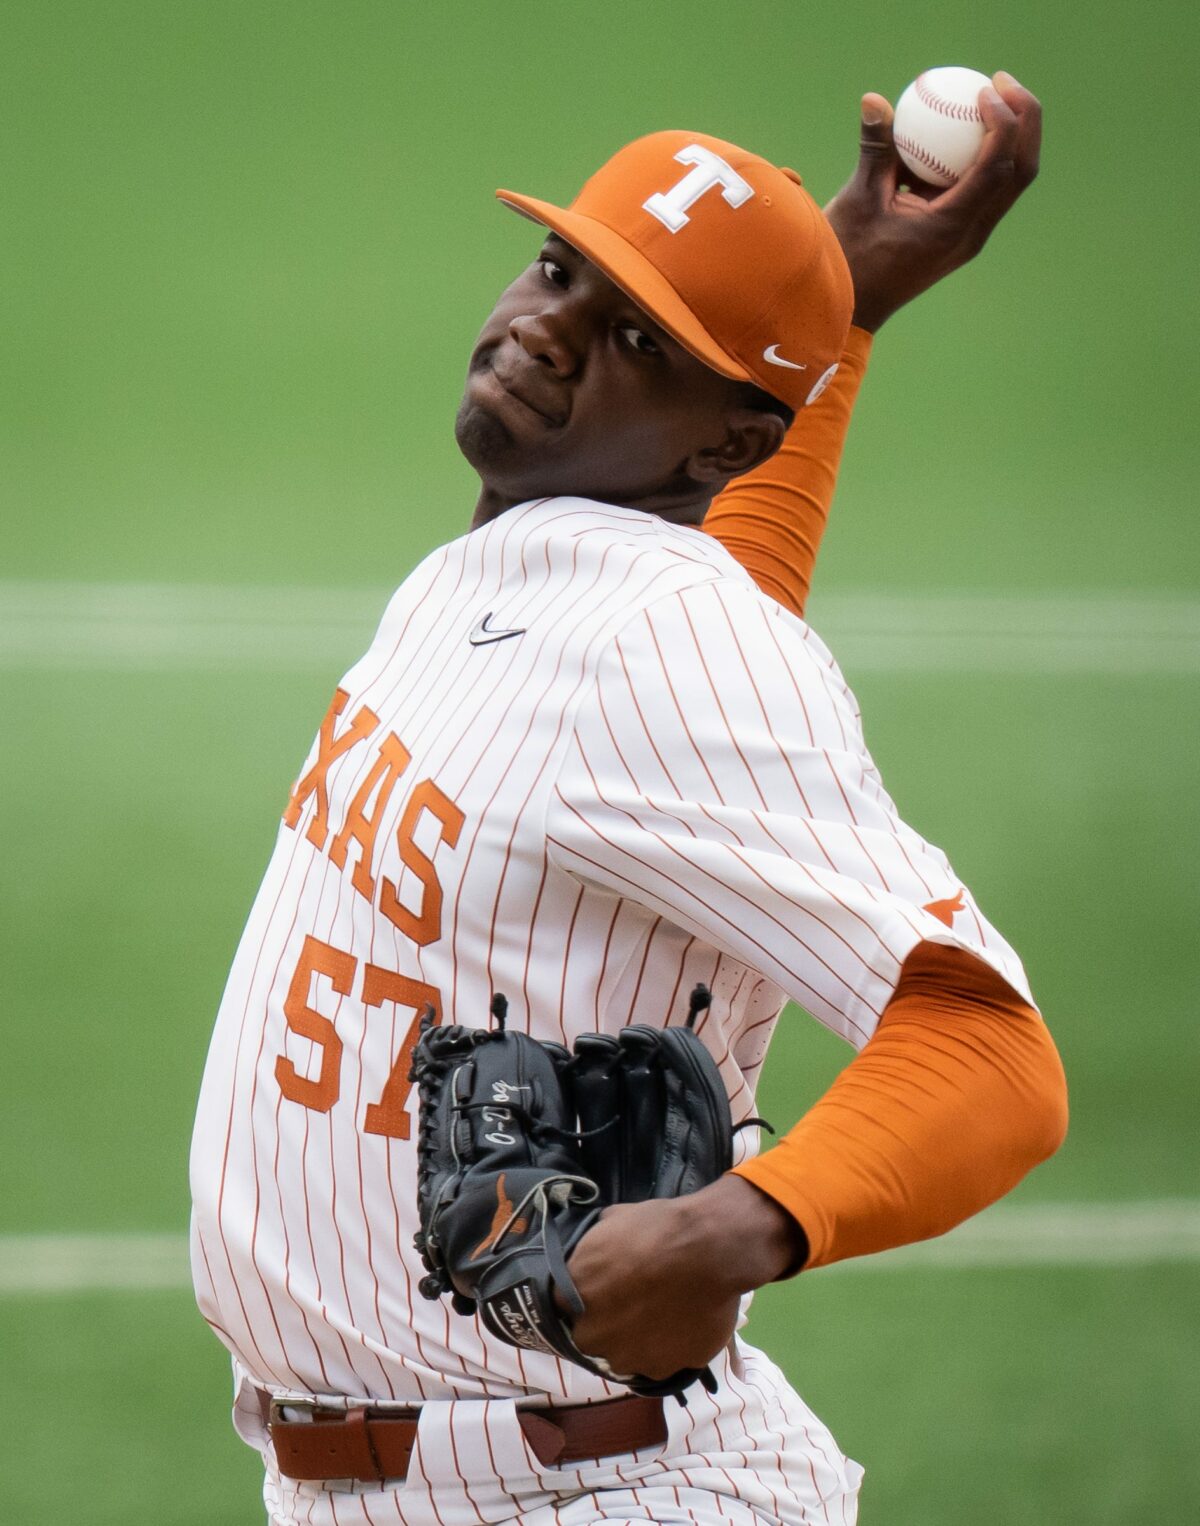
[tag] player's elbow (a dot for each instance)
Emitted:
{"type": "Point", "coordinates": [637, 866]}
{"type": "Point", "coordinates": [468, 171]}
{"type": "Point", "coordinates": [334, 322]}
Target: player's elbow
{"type": "Point", "coordinates": [1041, 1122]}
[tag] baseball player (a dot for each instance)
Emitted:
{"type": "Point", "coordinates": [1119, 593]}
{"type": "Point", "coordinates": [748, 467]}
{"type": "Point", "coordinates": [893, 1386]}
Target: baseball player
{"type": "Point", "coordinates": [590, 760]}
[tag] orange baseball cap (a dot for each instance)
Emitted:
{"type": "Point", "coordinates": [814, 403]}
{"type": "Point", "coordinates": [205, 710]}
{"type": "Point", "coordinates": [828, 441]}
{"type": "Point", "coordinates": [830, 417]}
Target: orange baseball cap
{"type": "Point", "coordinates": [729, 254]}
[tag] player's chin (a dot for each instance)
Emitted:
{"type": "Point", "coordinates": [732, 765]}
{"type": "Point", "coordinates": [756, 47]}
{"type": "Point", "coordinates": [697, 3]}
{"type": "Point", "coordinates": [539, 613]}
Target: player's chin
{"type": "Point", "coordinates": [513, 449]}
{"type": "Point", "coordinates": [482, 437]}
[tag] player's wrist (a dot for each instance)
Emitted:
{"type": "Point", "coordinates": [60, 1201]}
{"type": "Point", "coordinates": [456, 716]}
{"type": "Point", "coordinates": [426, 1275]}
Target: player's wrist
{"type": "Point", "coordinates": [748, 1237]}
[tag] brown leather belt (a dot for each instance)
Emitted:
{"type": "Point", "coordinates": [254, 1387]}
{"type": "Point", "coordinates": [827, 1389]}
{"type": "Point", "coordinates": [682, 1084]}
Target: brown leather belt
{"type": "Point", "coordinates": [369, 1445]}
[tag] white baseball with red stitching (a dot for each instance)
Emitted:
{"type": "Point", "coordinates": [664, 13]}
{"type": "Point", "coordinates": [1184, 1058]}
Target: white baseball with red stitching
{"type": "Point", "coordinates": [938, 129]}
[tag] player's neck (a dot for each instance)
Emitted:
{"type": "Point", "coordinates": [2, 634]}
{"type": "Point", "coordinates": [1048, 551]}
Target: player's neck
{"type": "Point", "coordinates": [686, 506]}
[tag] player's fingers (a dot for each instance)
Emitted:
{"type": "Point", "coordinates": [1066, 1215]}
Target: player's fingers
{"type": "Point", "coordinates": [877, 157]}
{"type": "Point", "coordinates": [1001, 129]}
{"type": "Point", "coordinates": [990, 185]}
{"type": "Point", "coordinates": [1028, 110]}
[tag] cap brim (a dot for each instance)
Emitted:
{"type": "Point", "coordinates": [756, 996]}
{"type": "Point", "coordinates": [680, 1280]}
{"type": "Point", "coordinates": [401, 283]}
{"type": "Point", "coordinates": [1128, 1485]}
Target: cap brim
{"type": "Point", "coordinates": [634, 274]}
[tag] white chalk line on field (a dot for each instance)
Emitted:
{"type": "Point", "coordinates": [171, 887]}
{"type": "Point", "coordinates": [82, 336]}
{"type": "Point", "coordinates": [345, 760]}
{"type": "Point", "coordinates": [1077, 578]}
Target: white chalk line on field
{"type": "Point", "coordinates": [162, 627]}
{"type": "Point", "coordinates": [1050, 1235]}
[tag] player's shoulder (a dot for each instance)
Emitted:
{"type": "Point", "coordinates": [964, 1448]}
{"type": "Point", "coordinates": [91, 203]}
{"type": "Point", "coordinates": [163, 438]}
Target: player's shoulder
{"type": "Point", "coordinates": [662, 590]}
{"type": "Point", "coordinates": [586, 538]}
{"type": "Point", "coordinates": [730, 618]}
{"type": "Point", "coordinates": [654, 570]}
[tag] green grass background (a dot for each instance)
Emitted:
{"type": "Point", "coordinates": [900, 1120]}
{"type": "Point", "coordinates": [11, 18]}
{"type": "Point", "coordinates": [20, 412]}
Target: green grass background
{"type": "Point", "coordinates": [245, 249]}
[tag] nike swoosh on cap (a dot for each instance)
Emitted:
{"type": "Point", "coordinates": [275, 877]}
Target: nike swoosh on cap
{"type": "Point", "coordinates": [777, 360]}
{"type": "Point", "coordinates": [482, 635]}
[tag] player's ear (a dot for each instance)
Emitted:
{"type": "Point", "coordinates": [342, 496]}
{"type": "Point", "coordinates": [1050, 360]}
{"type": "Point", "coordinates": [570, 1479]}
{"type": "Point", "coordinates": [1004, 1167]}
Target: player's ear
{"type": "Point", "coordinates": [752, 436]}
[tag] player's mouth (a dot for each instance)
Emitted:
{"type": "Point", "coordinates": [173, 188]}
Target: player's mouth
{"type": "Point", "coordinates": [530, 393]}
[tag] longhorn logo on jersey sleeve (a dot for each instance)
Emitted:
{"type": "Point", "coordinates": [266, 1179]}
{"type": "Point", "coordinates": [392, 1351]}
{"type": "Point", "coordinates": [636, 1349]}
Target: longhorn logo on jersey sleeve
{"type": "Point", "coordinates": [946, 911]}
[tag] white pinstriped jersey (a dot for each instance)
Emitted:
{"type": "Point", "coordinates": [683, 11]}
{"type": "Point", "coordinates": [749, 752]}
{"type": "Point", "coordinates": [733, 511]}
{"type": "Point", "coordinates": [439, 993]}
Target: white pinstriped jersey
{"type": "Point", "coordinates": [586, 763]}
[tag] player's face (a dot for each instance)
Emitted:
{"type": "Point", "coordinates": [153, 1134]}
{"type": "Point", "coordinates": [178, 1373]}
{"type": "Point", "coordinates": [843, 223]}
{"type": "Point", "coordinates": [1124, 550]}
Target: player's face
{"type": "Point", "coordinates": [573, 389]}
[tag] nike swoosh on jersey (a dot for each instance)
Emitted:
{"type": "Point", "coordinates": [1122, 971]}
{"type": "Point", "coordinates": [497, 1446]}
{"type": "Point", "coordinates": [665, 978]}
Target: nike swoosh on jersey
{"type": "Point", "coordinates": [771, 354]}
{"type": "Point", "coordinates": [482, 634]}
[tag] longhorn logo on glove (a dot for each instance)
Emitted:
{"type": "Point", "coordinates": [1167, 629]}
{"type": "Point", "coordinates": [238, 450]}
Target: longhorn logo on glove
{"type": "Point", "coordinates": [500, 1220]}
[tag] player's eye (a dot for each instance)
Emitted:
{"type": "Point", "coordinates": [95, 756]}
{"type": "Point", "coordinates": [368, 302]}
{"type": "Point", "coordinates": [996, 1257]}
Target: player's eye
{"type": "Point", "coordinates": [639, 340]}
{"type": "Point", "coordinates": [553, 271]}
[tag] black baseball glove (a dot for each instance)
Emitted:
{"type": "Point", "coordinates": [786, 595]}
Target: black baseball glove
{"type": "Point", "coordinates": [522, 1144]}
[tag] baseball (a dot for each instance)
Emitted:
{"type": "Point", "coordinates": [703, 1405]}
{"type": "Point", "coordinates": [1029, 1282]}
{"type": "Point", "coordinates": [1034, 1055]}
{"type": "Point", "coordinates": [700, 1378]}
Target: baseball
{"type": "Point", "coordinates": [938, 129]}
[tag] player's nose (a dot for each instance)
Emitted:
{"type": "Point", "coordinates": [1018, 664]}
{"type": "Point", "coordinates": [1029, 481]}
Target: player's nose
{"type": "Point", "coordinates": [547, 341]}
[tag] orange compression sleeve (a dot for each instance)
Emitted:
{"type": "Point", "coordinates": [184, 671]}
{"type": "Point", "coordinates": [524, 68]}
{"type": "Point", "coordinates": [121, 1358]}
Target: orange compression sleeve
{"type": "Point", "coordinates": [773, 518]}
{"type": "Point", "coordinates": [957, 1095]}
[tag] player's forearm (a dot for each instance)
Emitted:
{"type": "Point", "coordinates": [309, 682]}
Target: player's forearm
{"type": "Point", "coordinates": [772, 519]}
{"type": "Point", "coordinates": [957, 1096]}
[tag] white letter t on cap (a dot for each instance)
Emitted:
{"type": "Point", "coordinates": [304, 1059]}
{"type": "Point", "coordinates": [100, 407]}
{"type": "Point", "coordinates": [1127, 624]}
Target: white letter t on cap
{"type": "Point", "coordinates": [670, 207]}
